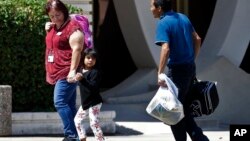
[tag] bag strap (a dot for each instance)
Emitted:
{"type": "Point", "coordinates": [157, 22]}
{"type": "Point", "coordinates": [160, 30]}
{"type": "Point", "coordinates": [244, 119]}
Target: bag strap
{"type": "Point", "coordinates": [195, 79]}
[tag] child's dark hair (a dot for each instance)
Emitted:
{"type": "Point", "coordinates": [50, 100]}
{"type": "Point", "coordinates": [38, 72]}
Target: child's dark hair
{"type": "Point", "coordinates": [90, 51]}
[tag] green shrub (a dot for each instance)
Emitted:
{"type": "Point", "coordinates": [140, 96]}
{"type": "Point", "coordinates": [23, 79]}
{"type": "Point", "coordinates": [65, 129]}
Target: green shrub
{"type": "Point", "coordinates": [22, 46]}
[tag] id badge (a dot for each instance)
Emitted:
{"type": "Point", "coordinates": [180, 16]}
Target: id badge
{"type": "Point", "coordinates": [59, 33]}
{"type": "Point", "coordinates": [50, 58]}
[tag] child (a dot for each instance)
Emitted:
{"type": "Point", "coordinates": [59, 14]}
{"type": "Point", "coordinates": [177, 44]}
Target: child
{"type": "Point", "coordinates": [91, 101]}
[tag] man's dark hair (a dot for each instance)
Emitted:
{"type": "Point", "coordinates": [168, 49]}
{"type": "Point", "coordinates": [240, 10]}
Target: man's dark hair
{"type": "Point", "coordinates": [166, 5]}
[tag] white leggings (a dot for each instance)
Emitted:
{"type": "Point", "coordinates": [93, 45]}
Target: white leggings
{"type": "Point", "coordinates": [93, 113]}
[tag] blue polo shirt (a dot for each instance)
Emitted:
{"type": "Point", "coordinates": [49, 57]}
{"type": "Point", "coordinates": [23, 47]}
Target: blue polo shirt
{"type": "Point", "coordinates": [176, 29]}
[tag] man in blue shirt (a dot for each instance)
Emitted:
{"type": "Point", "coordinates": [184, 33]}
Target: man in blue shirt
{"type": "Point", "coordinates": [180, 44]}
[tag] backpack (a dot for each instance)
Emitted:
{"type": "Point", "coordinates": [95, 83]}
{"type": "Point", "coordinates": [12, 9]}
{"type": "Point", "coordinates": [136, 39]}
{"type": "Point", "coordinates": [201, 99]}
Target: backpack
{"type": "Point", "coordinates": [204, 98]}
{"type": "Point", "coordinates": [84, 23]}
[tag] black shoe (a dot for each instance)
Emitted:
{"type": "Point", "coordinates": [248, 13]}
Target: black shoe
{"type": "Point", "coordinates": [201, 137]}
{"type": "Point", "coordinates": [65, 139]}
{"type": "Point", "coordinates": [69, 139]}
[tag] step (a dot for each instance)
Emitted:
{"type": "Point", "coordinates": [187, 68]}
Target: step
{"type": "Point", "coordinates": [38, 123]}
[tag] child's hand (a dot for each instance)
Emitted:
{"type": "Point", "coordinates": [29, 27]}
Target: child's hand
{"type": "Point", "coordinates": [78, 76]}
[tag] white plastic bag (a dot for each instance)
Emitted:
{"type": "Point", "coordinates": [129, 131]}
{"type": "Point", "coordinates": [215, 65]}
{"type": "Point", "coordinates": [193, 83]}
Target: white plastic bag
{"type": "Point", "coordinates": [165, 106]}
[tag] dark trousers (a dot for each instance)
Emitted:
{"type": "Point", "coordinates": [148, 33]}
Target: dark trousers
{"type": "Point", "coordinates": [182, 76]}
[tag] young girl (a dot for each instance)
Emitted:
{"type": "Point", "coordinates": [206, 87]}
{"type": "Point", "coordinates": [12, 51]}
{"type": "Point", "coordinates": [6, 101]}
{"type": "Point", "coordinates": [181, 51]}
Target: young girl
{"type": "Point", "coordinates": [91, 101]}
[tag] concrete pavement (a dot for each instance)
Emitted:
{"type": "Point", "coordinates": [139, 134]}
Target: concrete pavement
{"type": "Point", "coordinates": [213, 136]}
{"type": "Point", "coordinates": [134, 131]}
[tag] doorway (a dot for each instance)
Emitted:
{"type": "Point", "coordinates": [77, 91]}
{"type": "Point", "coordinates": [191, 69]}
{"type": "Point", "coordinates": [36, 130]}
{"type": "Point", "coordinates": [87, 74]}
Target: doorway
{"type": "Point", "coordinates": [115, 61]}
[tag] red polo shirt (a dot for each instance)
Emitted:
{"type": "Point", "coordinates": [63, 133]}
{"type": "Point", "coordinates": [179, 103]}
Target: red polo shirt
{"type": "Point", "coordinates": [58, 52]}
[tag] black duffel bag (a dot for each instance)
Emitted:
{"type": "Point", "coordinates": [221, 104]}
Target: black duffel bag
{"type": "Point", "coordinates": [203, 98]}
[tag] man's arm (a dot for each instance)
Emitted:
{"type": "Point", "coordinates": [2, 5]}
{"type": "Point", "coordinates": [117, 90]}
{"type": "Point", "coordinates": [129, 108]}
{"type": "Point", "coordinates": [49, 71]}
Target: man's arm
{"type": "Point", "coordinates": [76, 42]}
{"type": "Point", "coordinates": [163, 60]}
{"type": "Point", "coordinates": [163, 57]}
{"type": "Point", "coordinates": [197, 43]}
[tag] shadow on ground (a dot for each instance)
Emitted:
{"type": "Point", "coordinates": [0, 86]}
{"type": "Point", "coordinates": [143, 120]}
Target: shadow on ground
{"type": "Point", "coordinates": [122, 130]}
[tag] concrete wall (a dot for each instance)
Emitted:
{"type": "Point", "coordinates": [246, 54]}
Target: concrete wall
{"type": "Point", "coordinates": [222, 52]}
{"type": "Point", "coordinates": [5, 110]}
{"type": "Point", "coordinates": [130, 18]}
{"type": "Point", "coordinates": [220, 56]}
{"type": "Point", "coordinates": [86, 6]}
